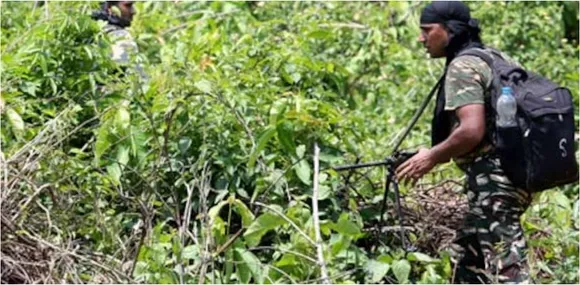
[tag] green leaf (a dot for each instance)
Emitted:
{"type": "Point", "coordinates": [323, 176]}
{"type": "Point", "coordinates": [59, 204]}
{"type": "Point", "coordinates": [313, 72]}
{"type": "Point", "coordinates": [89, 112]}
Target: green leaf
{"type": "Point", "coordinates": [252, 263]}
{"type": "Point", "coordinates": [285, 136]}
{"type": "Point", "coordinates": [229, 265]}
{"type": "Point", "coordinates": [184, 144]}
{"type": "Point", "coordinates": [30, 87]}
{"type": "Point", "coordinates": [264, 138]}
{"type": "Point", "coordinates": [560, 199]}
{"type": "Point", "coordinates": [138, 142]}
{"type": "Point", "coordinates": [430, 276]}
{"type": "Point", "coordinates": [114, 171]}
{"type": "Point", "coordinates": [319, 34]}
{"type": "Point", "coordinates": [346, 227]}
{"type": "Point", "coordinates": [288, 260]}
{"type": "Point", "coordinates": [93, 84]}
{"type": "Point", "coordinates": [190, 252]}
{"type": "Point", "coordinates": [43, 65]}
{"type": "Point", "coordinates": [377, 270]}
{"type": "Point", "coordinates": [242, 269]}
{"type": "Point", "coordinates": [421, 257]}
{"type": "Point", "coordinates": [160, 102]}
{"type": "Point", "coordinates": [102, 142]}
{"type": "Point", "coordinates": [303, 171]}
{"type": "Point", "coordinates": [324, 192]}
{"type": "Point", "coordinates": [204, 86]}
{"type": "Point", "coordinates": [88, 51]}
{"type": "Point", "coordinates": [277, 111]}
{"type": "Point", "coordinates": [53, 86]}
{"type": "Point", "coordinates": [15, 120]}
{"type": "Point", "coordinates": [244, 212]}
{"type": "Point", "coordinates": [401, 269]}
{"type": "Point", "coordinates": [215, 210]}
{"type": "Point", "coordinates": [122, 119]}
{"type": "Point", "coordinates": [385, 258]}
{"type": "Point", "coordinates": [576, 213]}
{"type": "Point", "coordinates": [296, 76]}
{"type": "Point", "coordinates": [300, 151]}
{"type": "Point", "coordinates": [338, 243]}
{"type": "Point", "coordinates": [260, 226]}
{"type": "Point", "coordinates": [122, 155]}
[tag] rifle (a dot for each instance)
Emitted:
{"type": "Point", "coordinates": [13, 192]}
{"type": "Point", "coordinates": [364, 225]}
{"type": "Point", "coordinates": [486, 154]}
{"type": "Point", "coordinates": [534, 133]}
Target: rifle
{"type": "Point", "coordinates": [392, 162]}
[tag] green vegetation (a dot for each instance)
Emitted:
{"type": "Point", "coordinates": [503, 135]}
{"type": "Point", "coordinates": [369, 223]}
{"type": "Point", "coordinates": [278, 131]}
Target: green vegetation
{"type": "Point", "coordinates": [205, 173]}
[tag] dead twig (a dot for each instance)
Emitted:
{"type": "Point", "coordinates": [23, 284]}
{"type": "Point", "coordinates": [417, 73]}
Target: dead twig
{"type": "Point", "coordinates": [351, 25]}
{"type": "Point", "coordinates": [319, 252]}
{"type": "Point", "coordinates": [285, 251]}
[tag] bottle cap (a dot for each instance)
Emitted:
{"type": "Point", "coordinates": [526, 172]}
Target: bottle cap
{"type": "Point", "coordinates": [506, 90]}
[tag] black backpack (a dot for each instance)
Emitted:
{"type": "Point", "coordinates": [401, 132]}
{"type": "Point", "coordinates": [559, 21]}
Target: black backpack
{"type": "Point", "coordinates": [539, 153]}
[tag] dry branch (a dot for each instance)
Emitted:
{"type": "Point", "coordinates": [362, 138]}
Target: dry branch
{"type": "Point", "coordinates": [319, 252]}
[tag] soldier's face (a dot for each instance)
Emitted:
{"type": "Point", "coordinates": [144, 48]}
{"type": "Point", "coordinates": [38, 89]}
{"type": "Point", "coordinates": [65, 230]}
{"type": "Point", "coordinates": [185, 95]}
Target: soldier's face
{"type": "Point", "coordinates": [435, 38]}
{"type": "Point", "coordinates": [127, 10]}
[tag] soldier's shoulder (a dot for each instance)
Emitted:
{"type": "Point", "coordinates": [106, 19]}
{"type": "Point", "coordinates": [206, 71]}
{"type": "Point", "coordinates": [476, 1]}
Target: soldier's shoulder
{"type": "Point", "coordinates": [117, 32]}
{"type": "Point", "coordinates": [468, 70]}
{"type": "Point", "coordinates": [468, 63]}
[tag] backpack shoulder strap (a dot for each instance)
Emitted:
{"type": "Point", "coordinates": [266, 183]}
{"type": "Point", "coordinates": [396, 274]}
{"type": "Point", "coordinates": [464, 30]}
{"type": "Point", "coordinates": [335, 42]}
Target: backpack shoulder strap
{"type": "Point", "coordinates": [479, 53]}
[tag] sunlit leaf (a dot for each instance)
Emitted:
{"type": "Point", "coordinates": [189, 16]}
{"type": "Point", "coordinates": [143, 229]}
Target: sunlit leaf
{"type": "Point", "coordinates": [401, 269]}
{"type": "Point", "coordinates": [260, 226]}
{"type": "Point", "coordinates": [244, 212]}
{"type": "Point", "coordinates": [114, 171]}
{"type": "Point", "coordinates": [204, 86]}
{"type": "Point", "coordinates": [15, 120]}
{"type": "Point", "coordinates": [262, 142]}
{"type": "Point", "coordinates": [377, 270]}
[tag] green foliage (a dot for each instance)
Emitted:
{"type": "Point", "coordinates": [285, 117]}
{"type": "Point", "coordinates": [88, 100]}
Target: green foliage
{"type": "Point", "coordinates": [210, 161]}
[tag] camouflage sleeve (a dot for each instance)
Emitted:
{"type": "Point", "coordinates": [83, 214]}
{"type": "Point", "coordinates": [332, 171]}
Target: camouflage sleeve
{"type": "Point", "coordinates": [123, 46]}
{"type": "Point", "coordinates": [467, 79]}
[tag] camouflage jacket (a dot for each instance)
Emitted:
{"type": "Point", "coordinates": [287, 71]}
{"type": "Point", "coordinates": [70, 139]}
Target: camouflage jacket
{"type": "Point", "coordinates": [124, 48]}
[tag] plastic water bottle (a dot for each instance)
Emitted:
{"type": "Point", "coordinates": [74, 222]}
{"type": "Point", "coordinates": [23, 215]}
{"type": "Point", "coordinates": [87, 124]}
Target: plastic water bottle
{"type": "Point", "coordinates": [506, 109]}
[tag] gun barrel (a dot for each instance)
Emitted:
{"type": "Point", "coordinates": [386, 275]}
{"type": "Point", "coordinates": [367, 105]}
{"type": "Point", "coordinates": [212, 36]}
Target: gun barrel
{"type": "Point", "coordinates": [362, 165]}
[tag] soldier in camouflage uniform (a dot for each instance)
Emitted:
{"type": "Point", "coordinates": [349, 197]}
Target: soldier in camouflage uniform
{"type": "Point", "coordinates": [118, 15]}
{"type": "Point", "coordinates": [490, 246]}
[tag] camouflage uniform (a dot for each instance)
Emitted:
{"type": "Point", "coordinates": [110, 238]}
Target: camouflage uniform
{"type": "Point", "coordinates": [123, 47]}
{"type": "Point", "coordinates": [490, 246]}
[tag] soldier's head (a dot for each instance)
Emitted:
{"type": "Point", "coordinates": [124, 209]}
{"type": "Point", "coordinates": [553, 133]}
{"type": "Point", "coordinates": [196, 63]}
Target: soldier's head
{"type": "Point", "coordinates": [116, 12]}
{"type": "Point", "coordinates": [125, 12]}
{"type": "Point", "coordinates": [446, 26]}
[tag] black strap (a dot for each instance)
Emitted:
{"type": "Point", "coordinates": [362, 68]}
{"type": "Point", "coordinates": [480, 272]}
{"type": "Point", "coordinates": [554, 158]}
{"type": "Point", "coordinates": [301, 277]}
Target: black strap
{"type": "Point", "coordinates": [479, 53]}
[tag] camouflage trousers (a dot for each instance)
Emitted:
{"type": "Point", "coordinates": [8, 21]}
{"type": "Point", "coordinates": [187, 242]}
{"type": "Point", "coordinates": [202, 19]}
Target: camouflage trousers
{"type": "Point", "coordinates": [490, 247]}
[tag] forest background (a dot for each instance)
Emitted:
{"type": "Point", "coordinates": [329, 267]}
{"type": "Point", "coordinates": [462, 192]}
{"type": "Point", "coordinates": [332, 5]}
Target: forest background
{"type": "Point", "coordinates": [205, 172]}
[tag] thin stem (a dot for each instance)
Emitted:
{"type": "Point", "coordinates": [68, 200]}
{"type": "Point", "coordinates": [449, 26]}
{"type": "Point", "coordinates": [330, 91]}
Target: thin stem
{"type": "Point", "coordinates": [320, 254]}
{"type": "Point", "coordinates": [288, 220]}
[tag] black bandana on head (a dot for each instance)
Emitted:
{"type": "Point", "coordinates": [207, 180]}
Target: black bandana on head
{"type": "Point", "coordinates": [443, 11]}
{"type": "Point", "coordinates": [456, 17]}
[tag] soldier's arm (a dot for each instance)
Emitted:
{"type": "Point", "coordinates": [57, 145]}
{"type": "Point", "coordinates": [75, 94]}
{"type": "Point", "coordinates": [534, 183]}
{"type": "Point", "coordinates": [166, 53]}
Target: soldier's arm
{"type": "Point", "coordinates": [465, 137]}
{"type": "Point", "coordinates": [467, 79]}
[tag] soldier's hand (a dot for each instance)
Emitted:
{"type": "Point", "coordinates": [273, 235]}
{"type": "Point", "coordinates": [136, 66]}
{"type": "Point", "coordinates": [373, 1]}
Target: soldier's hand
{"type": "Point", "coordinates": [415, 167]}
